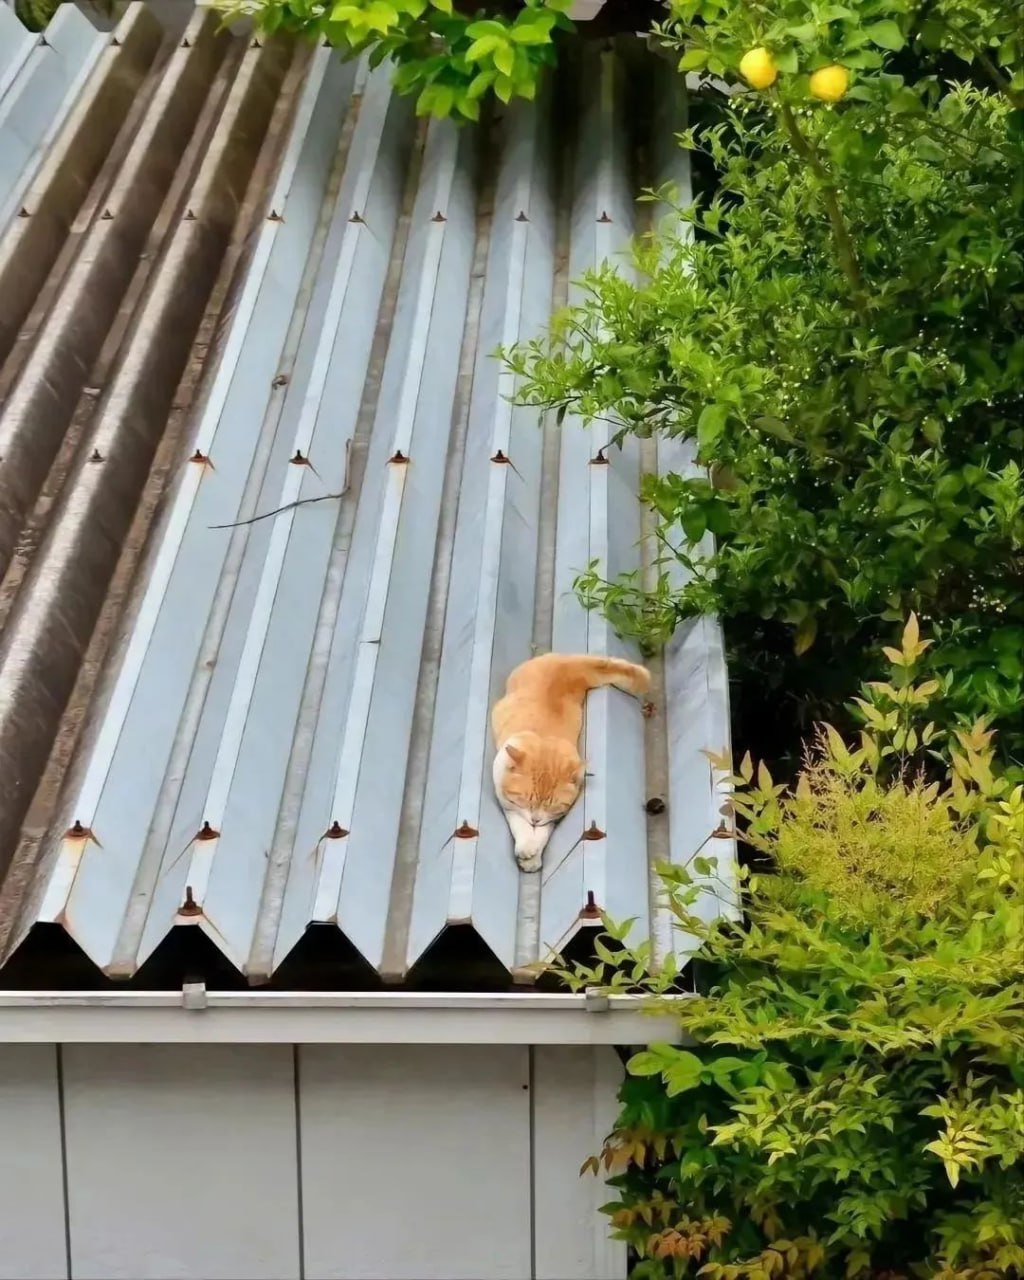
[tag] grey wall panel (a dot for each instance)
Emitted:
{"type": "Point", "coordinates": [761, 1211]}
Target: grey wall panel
{"type": "Point", "coordinates": [415, 1162]}
{"type": "Point", "coordinates": [32, 1241]}
{"type": "Point", "coordinates": [574, 1108]}
{"type": "Point", "coordinates": [181, 1162]}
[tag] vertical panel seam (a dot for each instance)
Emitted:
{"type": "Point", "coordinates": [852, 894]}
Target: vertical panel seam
{"type": "Point", "coordinates": [299, 1205]}
{"type": "Point", "coordinates": [62, 1122]}
{"type": "Point", "coordinates": [532, 1094]}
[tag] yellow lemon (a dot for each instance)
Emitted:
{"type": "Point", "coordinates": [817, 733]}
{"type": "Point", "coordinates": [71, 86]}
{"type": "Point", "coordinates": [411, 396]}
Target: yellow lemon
{"type": "Point", "coordinates": [758, 68]}
{"type": "Point", "coordinates": [830, 83]}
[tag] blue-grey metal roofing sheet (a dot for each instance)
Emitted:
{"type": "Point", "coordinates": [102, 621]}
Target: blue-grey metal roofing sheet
{"type": "Point", "coordinates": [293, 725]}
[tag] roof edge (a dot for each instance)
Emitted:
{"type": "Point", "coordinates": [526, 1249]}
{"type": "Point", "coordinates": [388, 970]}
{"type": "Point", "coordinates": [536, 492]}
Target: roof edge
{"type": "Point", "coordinates": [197, 1016]}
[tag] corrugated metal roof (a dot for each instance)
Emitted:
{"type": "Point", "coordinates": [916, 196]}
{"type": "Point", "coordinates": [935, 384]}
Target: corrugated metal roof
{"type": "Point", "coordinates": [291, 727]}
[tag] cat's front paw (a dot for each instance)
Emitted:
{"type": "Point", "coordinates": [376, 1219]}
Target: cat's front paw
{"type": "Point", "coordinates": [528, 860]}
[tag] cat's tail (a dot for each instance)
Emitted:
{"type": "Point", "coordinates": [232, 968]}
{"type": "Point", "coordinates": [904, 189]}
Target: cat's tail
{"type": "Point", "coordinates": [597, 671]}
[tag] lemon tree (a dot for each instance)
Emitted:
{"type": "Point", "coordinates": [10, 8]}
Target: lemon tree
{"type": "Point", "coordinates": [837, 323]}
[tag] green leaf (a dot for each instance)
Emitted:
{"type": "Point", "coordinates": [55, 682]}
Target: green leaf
{"type": "Point", "coordinates": [487, 27]}
{"type": "Point", "coordinates": [711, 424]}
{"type": "Point", "coordinates": [887, 35]}
{"type": "Point", "coordinates": [504, 59]}
{"type": "Point", "coordinates": [481, 82]}
{"type": "Point", "coordinates": [480, 48]}
{"type": "Point", "coordinates": [806, 633]}
{"type": "Point", "coordinates": [693, 60]}
{"type": "Point", "coordinates": [444, 5]}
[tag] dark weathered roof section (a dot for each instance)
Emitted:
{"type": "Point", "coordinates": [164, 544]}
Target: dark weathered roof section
{"type": "Point", "coordinates": [215, 720]}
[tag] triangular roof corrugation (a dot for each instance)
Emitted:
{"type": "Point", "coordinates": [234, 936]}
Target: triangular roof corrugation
{"type": "Point", "coordinates": [291, 728]}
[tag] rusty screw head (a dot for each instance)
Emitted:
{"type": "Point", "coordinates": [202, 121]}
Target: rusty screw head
{"type": "Point", "coordinates": [465, 832]}
{"type": "Point", "coordinates": [655, 805]}
{"type": "Point", "coordinates": [189, 907]}
{"type": "Point", "coordinates": [593, 832]}
{"type": "Point", "coordinates": [336, 831]}
{"type": "Point", "coordinates": [206, 832]}
{"type": "Point", "coordinates": [590, 910]}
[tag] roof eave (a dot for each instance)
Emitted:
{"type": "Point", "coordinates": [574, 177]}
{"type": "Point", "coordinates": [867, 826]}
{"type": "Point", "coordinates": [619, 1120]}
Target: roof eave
{"type": "Point", "coordinates": [197, 1016]}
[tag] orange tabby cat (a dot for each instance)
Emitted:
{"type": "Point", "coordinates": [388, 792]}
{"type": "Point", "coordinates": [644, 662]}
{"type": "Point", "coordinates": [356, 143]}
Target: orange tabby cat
{"type": "Point", "coordinates": [538, 772]}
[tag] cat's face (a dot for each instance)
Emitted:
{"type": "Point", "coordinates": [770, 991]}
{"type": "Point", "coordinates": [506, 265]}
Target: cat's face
{"type": "Point", "coordinates": [541, 779]}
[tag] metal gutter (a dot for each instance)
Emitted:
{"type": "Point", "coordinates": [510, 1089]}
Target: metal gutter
{"type": "Point", "coordinates": [197, 1016]}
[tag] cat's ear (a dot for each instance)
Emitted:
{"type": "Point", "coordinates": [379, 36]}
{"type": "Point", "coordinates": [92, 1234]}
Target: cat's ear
{"type": "Point", "coordinates": [515, 754]}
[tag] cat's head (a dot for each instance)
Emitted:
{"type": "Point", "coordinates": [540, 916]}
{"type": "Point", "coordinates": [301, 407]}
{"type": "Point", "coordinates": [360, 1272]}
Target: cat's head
{"type": "Point", "coordinates": [539, 777]}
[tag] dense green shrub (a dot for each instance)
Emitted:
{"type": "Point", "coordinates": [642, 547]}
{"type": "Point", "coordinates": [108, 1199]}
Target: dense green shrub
{"type": "Point", "coordinates": [840, 329]}
{"type": "Point", "coordinates": [855, 1105]}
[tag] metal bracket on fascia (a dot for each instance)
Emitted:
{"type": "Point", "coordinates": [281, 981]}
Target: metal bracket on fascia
{"type": "Point", "coordinates": [595, 1002]}
{"type": "Point", "coordinates": [193, 995]}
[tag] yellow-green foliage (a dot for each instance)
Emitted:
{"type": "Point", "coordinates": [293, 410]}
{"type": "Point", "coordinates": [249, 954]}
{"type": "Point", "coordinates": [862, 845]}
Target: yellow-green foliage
{"type": "Point", "coordinates": [872, 846]}
{"type": "Point", "coordinates": [853, 1101]}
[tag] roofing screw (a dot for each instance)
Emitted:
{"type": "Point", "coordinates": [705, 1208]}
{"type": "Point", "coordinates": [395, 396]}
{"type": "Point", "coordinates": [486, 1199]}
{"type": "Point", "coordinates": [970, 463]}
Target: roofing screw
{"type": "Point", "coordinates": [600, 460]}
{"type": "Point", "coordinates": [465, 832]}
{"type": "Point", "coordinates": [647, 710]}
{"type": "Point", "coordinates": [43, 42]}
{"type": "Point", "coordinates": [106, 215]}
{"type": "Point", "coordinates": [256, 44]}
{"type": "Point", "coordinates": [186, 43]}
{"type": "Point", "coordinates": [655, 805]}
{"type": "Point", "coordinates": [206, 832]}
{"type": "Point", "coordinates": [398, 456]}
{"type": "Point", "coordinates": [115, 42]}
{"type": "Point", "coordinates": [300, 459]}
{"type": "Point", "coordinates": [189, 216]}
{"type": "Point", "coordinates": [199, 456]}
{"type": "Point", "coordinates": [356, 217]}
{"type": "Point", "coordinates": [23, 212]}
{"type": "Point", "coordinates": [274, 216]}
{"type": "Point", "coordinates": [96, 456]}
{"type": "Point", "coordinates": [439, 217]}
{"type": "Point", "coordinates": [76, 831]}
{"type": "Point", "coordinates": [590, 910]}
{"type": "Point", "coordinates": [722, 832]}
{"type": "Point", "coordinates": [593, 832]}
{"type": "Point", "coordinates": [500, 457]}
{"type": "Point", "coordinates": [280, 381]}
{"type": "Point", "coordinates": [335, 831]}
{"type": "Point", "coordinates": [604, 216]}
{"type": "Point", "coordinates": [521, 216]}
{"type": "Point", "coordinates": [189, 907]}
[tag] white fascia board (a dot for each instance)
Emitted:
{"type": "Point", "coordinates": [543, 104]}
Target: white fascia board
{"type": "Point", "coordinates": [197, 1016]}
